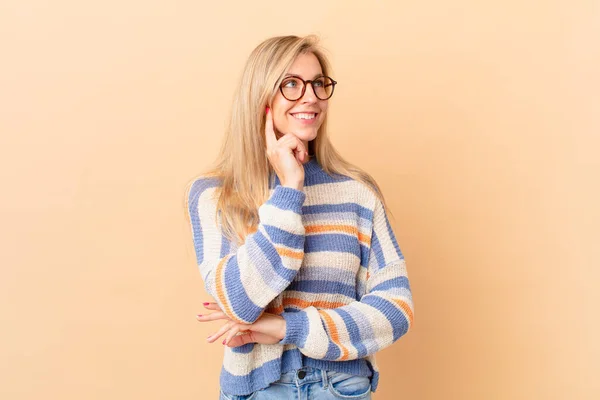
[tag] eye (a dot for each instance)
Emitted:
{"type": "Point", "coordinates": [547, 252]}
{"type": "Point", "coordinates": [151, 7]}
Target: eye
{"type": "Point", "coordinates": [290, 83]}
{"type": "Point", "coordinates": [319, 82]}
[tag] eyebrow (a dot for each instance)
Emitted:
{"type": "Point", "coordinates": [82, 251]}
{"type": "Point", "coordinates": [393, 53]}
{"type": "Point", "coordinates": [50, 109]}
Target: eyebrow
{"type": "Point", "coordinates": [298, 76]}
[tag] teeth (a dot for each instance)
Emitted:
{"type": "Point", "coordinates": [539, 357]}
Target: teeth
{"type": "Point", "coordinates": [304, 116]}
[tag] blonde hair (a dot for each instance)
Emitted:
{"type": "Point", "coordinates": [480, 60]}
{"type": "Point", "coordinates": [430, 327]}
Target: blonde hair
{"type": "Point", "coordinates": [242, 165]}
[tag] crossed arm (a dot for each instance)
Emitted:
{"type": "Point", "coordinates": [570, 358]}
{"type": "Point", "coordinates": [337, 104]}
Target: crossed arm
{"type": "Point", "coordinates": [381, 316]}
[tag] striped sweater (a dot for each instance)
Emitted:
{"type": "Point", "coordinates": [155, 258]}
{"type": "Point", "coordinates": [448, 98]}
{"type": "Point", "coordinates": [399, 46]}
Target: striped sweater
{"type": "Point", "coordinates": [325, 258]}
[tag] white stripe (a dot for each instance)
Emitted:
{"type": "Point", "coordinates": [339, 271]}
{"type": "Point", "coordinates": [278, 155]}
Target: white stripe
{"type": "Point", "coordinates": [317, 340]}
{"type": "Point", "coordinates": [343, 335]}
{"type": "Point", "coordinates": [350, 191]}
{"type": "Point", "coordinates": [287, 220]}
{"type": "Point", "coordinates": [240, 364]}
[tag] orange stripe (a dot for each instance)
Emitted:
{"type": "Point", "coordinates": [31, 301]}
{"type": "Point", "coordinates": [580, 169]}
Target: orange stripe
{"type": "Point", "coordinates": [275, 310]}
{"type": "Point", "coordinates": [353, 230]}
{"type": "Point", "coordinates": [290, 253]}
{"type": "Point", "coordinates": [335, 337]}
{"type": "Point", "coordinates": [329, 228]}
{"type": "Point", "coordinates": [406, 308]}
{"type": "Point", "coordinates": [364, 238]}
{"type": "Point", "coordinates": [221, 289]}
{"type": "Point", "coordinates": [303, 303]}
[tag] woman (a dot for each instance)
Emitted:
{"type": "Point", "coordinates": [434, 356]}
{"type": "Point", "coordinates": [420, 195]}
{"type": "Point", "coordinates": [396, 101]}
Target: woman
{"type": "Point", "coordinates": [293, 242]}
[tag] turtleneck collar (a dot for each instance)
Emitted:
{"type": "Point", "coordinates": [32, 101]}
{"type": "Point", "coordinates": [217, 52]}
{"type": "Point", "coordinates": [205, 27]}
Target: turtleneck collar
{"type": "Point", "coordinates": [312, 166]}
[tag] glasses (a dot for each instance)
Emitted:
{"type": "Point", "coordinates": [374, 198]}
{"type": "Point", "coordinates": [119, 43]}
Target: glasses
{"type": "Point", "coordinates": [293, 87]}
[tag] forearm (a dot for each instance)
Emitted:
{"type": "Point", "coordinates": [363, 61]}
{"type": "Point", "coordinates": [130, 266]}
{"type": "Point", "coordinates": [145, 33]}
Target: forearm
{"type": "Point", "coordinates": [358, 329]}
{"type": "Point", "coordinates": [243, 282]}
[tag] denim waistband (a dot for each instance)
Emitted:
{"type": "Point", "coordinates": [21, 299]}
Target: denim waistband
{"type": "Point", "coordinates": [305, 375]}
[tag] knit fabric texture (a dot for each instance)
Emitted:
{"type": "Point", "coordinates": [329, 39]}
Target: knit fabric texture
{"type": "Point", "coordinates": [325, 258]}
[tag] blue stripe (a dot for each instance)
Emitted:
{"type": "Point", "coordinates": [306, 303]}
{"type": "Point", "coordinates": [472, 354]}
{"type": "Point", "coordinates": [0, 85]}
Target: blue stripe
{"type": "Point", "coordinates": [353, 331]}
{"type": "Point", "coordinates": [322, 286]}
{"type": "Point", "coordinates": [359, 210]}
{"type": "Point", "coordinates": [397, 282]}
{"type": "Point", "coordinates": [333, 351]}
{"type": "Point", "coordinates": [366, 330]}
{"type": "Point", "coordinates": [196, 190]}
{"type": "Point", "coordinates": [364, 255]}
{"type": "Point", "coordinates": [258, 242]}
{"type": "Point", "coordinates": [319, 179]}
{"type": "Point", "coordinates": [393, 238]}
{"type": "Point", "coordinates": [239, 301]}
{"type": "Point", "coordinates": [281, 236]}
{"type": "Point", "coordinates": [243, 349]}
{"type": "Point", "coordinates": [391, 312]}
{"type": "Point", "coordinates": [332, 242]}
{"type": "Point", "coordinates": [286, 198]}
{"type": "Point", "coordinates": [225, 246]}
{"type": "Point", "coordinates": [297, 326]}
{"type": "Point", "coordinates": [376, 249]}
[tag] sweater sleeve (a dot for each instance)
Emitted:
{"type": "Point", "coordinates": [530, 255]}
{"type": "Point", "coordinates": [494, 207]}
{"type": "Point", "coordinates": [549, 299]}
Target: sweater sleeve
{"type": "Point", "coordinates": [245, 280]}
{"type": "Point", "coordinates": [360, 328]}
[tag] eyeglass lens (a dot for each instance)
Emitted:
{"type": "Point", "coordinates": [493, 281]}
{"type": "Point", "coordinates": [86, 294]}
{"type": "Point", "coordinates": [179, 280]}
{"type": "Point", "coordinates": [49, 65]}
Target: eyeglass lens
{"type": "Point", "coordinates": [292, 87]}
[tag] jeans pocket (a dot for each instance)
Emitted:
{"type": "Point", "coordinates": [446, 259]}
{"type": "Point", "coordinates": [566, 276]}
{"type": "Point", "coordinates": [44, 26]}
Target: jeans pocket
{"type": "Point", "coordinates": [347, 386]}
{"type": "Point", "coordinates": [225, 396]}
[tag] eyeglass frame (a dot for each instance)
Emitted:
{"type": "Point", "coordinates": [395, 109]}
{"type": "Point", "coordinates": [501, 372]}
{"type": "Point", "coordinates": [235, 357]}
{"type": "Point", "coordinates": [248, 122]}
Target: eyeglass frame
{"type": "Point", "coordinates": [305, 84]}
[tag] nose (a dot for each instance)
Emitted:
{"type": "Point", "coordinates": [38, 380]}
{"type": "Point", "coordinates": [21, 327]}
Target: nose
{"type": "Point", "coordinates": [309, 94]}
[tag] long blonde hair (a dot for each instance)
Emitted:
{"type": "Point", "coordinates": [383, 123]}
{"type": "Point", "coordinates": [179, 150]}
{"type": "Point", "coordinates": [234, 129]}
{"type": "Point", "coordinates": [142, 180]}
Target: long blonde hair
{"type": "Point", "coordinates": [242, 165]}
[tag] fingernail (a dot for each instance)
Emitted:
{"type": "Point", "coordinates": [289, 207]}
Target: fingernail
{"type": "Point", "coordinates": [199, 315]}
{"type": "Point", "coordinates": [224, 341]}
{"type": "Point", "coordinates": [267, 110]}
{"type": "Point", "coordinates": [206, 304]}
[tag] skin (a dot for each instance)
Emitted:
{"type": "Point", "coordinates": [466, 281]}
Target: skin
{"type": "Point", "coordinates": [268, 329]}
{"type": "Point", "coordinates": [307, 67]}
{"type": "Point", "coordinates": [287, 144]}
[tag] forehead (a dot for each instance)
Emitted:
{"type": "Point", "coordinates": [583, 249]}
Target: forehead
{"type": "Point", "coordinates": [306, 66]}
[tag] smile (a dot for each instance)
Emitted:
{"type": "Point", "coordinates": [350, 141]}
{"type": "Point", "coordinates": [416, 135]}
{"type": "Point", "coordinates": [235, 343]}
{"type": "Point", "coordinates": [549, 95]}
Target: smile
{"type": "Point", "coordinates": [305, 116]}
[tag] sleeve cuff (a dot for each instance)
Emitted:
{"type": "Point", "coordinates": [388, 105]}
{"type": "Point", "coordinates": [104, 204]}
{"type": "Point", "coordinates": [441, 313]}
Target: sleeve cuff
{"type": "Point", "coordinates": [296, 324]}
{"type": "Point", "coordinates": [287, 198]}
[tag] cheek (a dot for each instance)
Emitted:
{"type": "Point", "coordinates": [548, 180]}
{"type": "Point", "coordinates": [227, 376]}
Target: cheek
{"type": "Point", "coordinates": [324, 106]}
{"type": "Point", "coordinates": [280, 121]}
{"type": "Point", "coordinates": [280, 116]}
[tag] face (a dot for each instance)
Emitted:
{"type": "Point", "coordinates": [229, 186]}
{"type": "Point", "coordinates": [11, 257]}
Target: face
{"type": "Point", "coordinates": [304, 116]}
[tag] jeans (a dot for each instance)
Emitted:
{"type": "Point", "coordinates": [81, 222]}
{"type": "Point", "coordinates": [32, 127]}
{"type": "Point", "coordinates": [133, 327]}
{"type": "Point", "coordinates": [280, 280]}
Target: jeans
{"type": "Point", "coordinates": [309, 383]}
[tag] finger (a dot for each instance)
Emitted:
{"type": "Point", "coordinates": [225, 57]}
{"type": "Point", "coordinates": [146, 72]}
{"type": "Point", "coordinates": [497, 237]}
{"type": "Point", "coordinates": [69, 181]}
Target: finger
{"type": "Point", "coordinates": [300, 153]}
{"type": "Point", "coordinates": [212, 306]}
{"type": "Point", "coordinates": [290, 143]}
{"type": "Point", "coordinates": [293, 142]}
{"type": "Point", "coordinates": [212, 316]}
{"type": "Point", "coordinates": [221, 331]}
{"type": "Point", "coordinates": [300, 156]}
{"type": "Point", "coordinates": [240, 340]}
{"type": "Point", "coordinates": [233, 331]}
{"type": "Point", "coordinates": [252, 337]}
{"type": "Point", "coordinates": [269, 131]}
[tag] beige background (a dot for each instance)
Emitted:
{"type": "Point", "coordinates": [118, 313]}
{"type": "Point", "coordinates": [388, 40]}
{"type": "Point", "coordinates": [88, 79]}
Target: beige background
{"type": "Point", "coordinates": [480, 119]}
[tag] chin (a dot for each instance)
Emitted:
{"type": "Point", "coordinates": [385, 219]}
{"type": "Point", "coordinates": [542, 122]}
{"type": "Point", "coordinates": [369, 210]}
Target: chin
{"type": "Point", "coordinates": [307, 136]}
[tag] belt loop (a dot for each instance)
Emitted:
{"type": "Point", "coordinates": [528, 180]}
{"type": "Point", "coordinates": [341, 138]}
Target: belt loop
{"type": "Point", "coordinates": [325, 379]}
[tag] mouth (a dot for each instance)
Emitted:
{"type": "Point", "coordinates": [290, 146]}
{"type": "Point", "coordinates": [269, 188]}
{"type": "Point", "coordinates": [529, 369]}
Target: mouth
{"type": "Point", "coordinates": [305, 117]}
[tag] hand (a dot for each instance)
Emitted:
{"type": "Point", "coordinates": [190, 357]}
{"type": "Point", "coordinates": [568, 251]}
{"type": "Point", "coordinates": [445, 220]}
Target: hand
{"type": "Point", "coordinates": [268, 329]}
{"type": "Point", "coordinates": [286, 154]}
